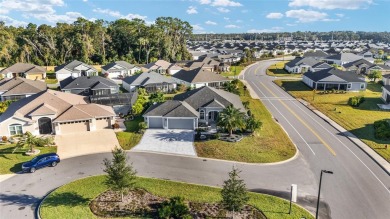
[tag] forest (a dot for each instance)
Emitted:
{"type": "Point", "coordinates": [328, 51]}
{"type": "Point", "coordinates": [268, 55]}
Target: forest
{"type": "Point", "coordinates": [95, 42]}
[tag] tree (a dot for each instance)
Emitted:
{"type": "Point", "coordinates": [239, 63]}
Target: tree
{"type": "Point", "coordinates": [120, 176]}
{"type": "Point", "coordinates": [231, 118]}
{"type": "Point", "coordinates": [231, 87]}
{"type": "Point", "coordinates": [174, 208]}
{"type": "Point", "coordinates": [29, 140]}
{"type": "Point", "coordinates": [375, 74]}
{"type": "Point", "coordinates": [252, 124]}
{"type": "Point", "coordinates": [234, 193]}
{"type": "Point", "coordinates": [246, 104]}
{"type": "Point", "coordinates": [157, 97]}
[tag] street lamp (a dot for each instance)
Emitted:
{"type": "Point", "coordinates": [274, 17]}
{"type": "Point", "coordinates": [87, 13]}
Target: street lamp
{"type": "Point", "coordinates": [319, 190]}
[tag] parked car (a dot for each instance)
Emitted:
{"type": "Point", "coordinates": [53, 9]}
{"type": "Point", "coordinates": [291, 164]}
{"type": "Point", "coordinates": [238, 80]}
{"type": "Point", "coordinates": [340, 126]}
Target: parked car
{"type": "Point", "coordinates": [44, 160]}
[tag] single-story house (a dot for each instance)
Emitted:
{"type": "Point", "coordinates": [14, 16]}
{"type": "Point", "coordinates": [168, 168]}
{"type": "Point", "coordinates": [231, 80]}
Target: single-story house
{"type": "Point", "coordinates": [199, 77]}
{"type": "Point", "coordinates": [332, 78]}
{"type": "Point", "coordinates": [362, 66]}
{"type": "Point", "coordinates": [119, 69]}
{"type": "Point", "coordinates": [161, 67]}
{"type": "Point", "coordinates": [87, 86]}
{"type": "Point", "coordinates": [342, 58]}
{"type": "Point", "coordinates": [302, 65]}
{"type": "Point", "coordinates": [74, 69]}
{"type": "Point", "coordinates": [151, 81]}
{"type": "Point", "coordinates": [188, 110]}
{"type": "Point", "coordinates": [386, 89]}
{"type": "Point", "coordinates": [18, 88]}
{"type": "Point", "coordinates": [205, 63]}
{"type": "Point", "coordinates": [54, 112]}
{"type": "Point", "coordinates": [317, 54]}
{"type": "Point", "coordinates": [24, 70]}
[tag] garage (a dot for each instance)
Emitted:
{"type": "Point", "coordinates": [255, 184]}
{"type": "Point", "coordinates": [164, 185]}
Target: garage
{"type": "Point", "coordinates": [72, 127]}
{"type": "Point", "coordinates": [181, 123]}
{"type": "Point", "coordinates": [155, 122]}
{"type": "Point", "coordinates": [102, 123]}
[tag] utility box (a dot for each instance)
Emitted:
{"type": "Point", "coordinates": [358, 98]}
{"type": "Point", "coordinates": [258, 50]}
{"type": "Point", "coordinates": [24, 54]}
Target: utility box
{"type": "Point", "coordinates": [294, 192]}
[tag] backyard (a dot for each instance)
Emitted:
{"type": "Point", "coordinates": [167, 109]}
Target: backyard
{"type": "Point", "coordinates": [277, 70]}
{"type": "Point", "coordinates": [130, 138]}
{"type": "Point", "coordinates": [268, 144]}
{"type": "Point", "coordinates": [357, 120]}
{"type": "Point", "coordinates": [234, 71]}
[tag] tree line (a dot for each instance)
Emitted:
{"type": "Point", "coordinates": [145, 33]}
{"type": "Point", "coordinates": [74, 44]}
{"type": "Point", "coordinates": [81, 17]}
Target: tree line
{"type": "Point", "coordinates": [95, 42]}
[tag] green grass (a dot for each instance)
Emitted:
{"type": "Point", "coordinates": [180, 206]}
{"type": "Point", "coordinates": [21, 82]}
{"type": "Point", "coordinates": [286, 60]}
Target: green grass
{"type": "Point", "coordinates": [72, 200]}
{"type": "Point", "coordinates": [51, 81]}
{"type": "Point", "coordinates": [234, 71]}
{"type": "Point", "coordinates": [358, 120]}
{"type": "Point", "coordinates": [277, 70]}
{"type": "Point", "coordinates": [131, 136]}
{"type": "Point", "coordinates": [12, 163]}
{"type": "Point", "coordinates": [269, 144]}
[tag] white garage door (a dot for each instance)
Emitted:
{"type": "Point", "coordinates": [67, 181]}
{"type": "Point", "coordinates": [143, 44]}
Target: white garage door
{"type": "Point", "coordinates": [61, 77]}
{"type": "Point", "coordinates": [155, 122]}
{"type": "Point", "coordinates": [102, 123]}
{"type": "Point", "coordinates": [181, 124]}
{"type": "Point", "coordinates": [73, 127]}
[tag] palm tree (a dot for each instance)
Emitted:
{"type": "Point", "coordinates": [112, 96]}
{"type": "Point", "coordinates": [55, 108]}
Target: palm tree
{"type": "Point", "coordinates": [231, 118]}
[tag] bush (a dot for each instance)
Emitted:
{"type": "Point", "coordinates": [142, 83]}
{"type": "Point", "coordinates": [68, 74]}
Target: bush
{"type": "Point", "coordinates": [174, 208]}
{"type": "Point", "coordinates": [382, 129]}
{"type": "Point", "coordinates": [355, 101]}
{"type": "Point", "coordinates": [4, 138]}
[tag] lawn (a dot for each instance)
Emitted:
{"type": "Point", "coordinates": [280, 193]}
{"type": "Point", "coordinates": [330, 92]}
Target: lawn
{"type": "Point", "coordinates": [277, 70]}
{"type": "Point", "coordinates": [12, 163]}
{"type": "Point", "coordinates": [234, 71]}
{"type": "Point", "coordinates": [269, 144]}
{"type": "Point", "coordinates": [72, 200]}
{"type": "Point", "coordinates": [358, 120]}
{"type": "Point", "coordinates": [130, 138]}
{"type": "Point", "coordinates": [51, 81]}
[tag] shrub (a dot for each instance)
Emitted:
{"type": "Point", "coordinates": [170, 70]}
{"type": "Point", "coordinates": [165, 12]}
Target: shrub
{"type": "Point", "coordinates": [174, 208]}
{"type": "Point", "coordinates": [355, 101]}
{"type": "Point", "coordinates": [4, 138]}
{"type": "Point", "coordinates": [382, 129]}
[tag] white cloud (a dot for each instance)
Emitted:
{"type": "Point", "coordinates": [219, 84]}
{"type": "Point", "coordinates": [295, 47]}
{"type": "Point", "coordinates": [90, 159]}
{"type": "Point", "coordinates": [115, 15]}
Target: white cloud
{"type": "Point", "coordinates": [197, 27]}
{"type": "Point", "coordinates": [12, 22]}
{"type": "Point", "coordinates": [272, 30]}
{"type": "Point", "coordinates": [226, 18]}
{"type": "Point", "coordinates": [340, 15]}
{"type": "Point", "coordinates": [85, 0]}
{"type": "Point", "coordinates": [68, 17]}
{"type": "Point", "coordinates": [225, 3]}
{"type": "Point", "coordinates": [192, 10]}
{"type": "Point", "coordinates": [239, 21]}
{"type": "Point", "coordinates": [117, 14]}
{"type": "Point", "coordinates": [134, 16]}
{"type": "Point", "coordinates": [274, 15]}
{"type": "Point", "coordinates": [305, 16]}
{"type": "Point", "coordinates": [231, 26]}
{"type": "Point", "coordinates": [205, 2]}
{"type": "Point", "coordinates": [223, 10]}
{"type": "Point", "coordinates": [210, 23]}
{"type": "Point", "coordinates": [332, 4]}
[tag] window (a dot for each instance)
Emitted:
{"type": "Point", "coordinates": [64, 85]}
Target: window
{"type": "Point", "coordinates": [349, 86]}
{"type": "Point", "coordinates": [202, 114]}
{"type": "Point", "coordinates": [15, 129]}
{"type": "Point", "coordinates": [362, 86]}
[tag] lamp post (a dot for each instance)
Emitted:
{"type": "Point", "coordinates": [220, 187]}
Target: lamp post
{"type": "Point", "coordinates": [319, 190]}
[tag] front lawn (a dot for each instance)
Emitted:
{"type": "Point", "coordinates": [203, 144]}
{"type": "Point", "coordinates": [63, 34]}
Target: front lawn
{"type": "Point", "coordinates": [131, 137]}
{"type": "Point", "coordinates": [12, 163]}
{"type": "Point", "coordinates": [72, 200]}
{"type": "Point", "coordinates": [234, 71]}
{"type": "Point", "coordinates": [277, 70]}
{"type": "Point", "coordinates": [269, 143]}
{"type": "Point", "coordinates": [358, 120]}
{"type": "Point", "coordinates": [51, 81]}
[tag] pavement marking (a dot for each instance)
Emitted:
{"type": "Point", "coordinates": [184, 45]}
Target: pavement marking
{"type": "Point", "coordinates": [286, 120]}
{"type": "Point", "coordinates": [303, 122]}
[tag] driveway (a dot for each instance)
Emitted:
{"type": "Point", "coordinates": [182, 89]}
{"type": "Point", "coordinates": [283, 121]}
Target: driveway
{"type": "Point", "coordinates": [175, 141]}
{"type": "Point", "coordinates": [77, 144]}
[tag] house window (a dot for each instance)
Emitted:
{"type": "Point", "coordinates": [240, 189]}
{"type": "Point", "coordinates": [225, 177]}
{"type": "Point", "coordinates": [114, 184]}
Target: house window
{"type": "Point", "coordinates": [15, 129]}
{"type": "Point", "coordinates": [362, 86]}
{"type": "Point", "coordinates": [202, 114]}
{"type": "Point", "coordinates": [349, 86]}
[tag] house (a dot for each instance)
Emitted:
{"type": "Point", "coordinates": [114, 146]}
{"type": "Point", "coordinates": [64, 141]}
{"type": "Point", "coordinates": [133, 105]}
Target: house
{"type": "Point", "coordinates": [342, 58]}
{"type": "Point", "coordinates": [302, 65]}
{"type": "Point", "coordinates": [18, 88]}
{"type": "Point", "coordinates": [188, 110]}
{"type": "Point", "coordinates": [74, 69]}
{"type": "Point", "coordinates": [199, 77]}
{"type": "Point", "coordinates": [151, 81]}
{"type": "Point", "coordinates": [332, 78]}
{"type": "Point", "coordinates": [120, 69]}
{"type": "Point", "coordinates": [362, 66]}
{"type": "Point", "coordinates": [161, 67]}
{"type": "Point", "coordinates": [87, 86]}
{"type": "Point", "coordinates": [317, 54]}
{"type": "Point", "coordinates": [54, 112]}
{"type": "Point", "coordinates": [24, 70]}
{"type": "Point", "coordinates": [386, 89]}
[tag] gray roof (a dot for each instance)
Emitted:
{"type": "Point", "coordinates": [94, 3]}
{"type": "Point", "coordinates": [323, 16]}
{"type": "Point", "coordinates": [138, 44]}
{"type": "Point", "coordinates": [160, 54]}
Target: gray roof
{"type": "Point", "coordinates": [84, 82]}
{"type": "Point", "coordinates": [199, 75]}
{"type": "Point", "coordinates": [341, 76]}
{"type": "Point", "coordinates": [345, 57]}
{"type": "Point", "coordinates": [72, 65]}
{"type": "Point", "coordinates": [16, 86]}
{"type": "Point", "coordinates": [147, 78]}
{"type": "Point", "coordinates": [123, 64]}
{"type": "Point", "coordinates": [387, 87]}
{"type": "Point", "coordinates": [172, 108]}
{"type": "Point", "coordinates": [358, 63]}
{"type": "Point", "coordinates": [317, 53]}
{"type": "Point", "coordinates": [23, 68]}
{"type": "Point", "coordinates": [298, 61]}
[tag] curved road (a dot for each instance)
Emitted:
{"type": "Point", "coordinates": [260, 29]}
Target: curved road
{"type": "Point", "coordinates": [358, 189]}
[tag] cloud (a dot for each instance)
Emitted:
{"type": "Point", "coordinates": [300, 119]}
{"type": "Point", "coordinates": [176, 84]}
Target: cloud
{"type": "Point", "coordinates": [68, 17]}
{"type": "Point", "coordinates": [332, 4]}
{"type": "Point", "coordinates": [272, 30]}
{"type": "Point", "coordinates": [12, 22]}
{"type": "Point", "coordinates": [274, 15]}
{"type": "Point", "coordinates": [85, 0]}
{"type": "Point", "coordinates": [231, 26]}
{"type": "Point", "coordinates": [239, 21]}
{"type": "Point", "coordinates": [205, 2]}
{"type": "Point", "coordinates": [192, 10]}
{"type": "Point", "coordinates": [117, 14]}
{"type": "Point", "coordinates": [305, 16]}
{"type": "Point", "coordinates": [225, 3]}
{"type": "Point", "coordinates": [340, 15]}
{"type": "Point", "coordinates": [226, 18]}
{"type": "Point", "coordinates": [223, 10]}
{"type": "Point", "coordinates": [210, 23]}
{"type": "Point", "coordinates": [197, 27]}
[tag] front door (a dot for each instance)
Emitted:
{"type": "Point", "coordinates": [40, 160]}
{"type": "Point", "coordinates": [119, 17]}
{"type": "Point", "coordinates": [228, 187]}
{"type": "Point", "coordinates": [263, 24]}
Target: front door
{"type": "Point", "coordinates": [45, 126]}
{"type": "Point", "coordinates": [213, 116]}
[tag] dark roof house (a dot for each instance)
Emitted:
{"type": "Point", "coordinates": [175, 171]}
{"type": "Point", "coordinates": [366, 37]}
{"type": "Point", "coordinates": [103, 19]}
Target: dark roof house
{"type": "Point", "coordinates": [86, 86]}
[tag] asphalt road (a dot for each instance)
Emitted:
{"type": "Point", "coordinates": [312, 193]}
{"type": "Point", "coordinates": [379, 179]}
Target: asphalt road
{"type": "Point", "coordinates": [358, 188]}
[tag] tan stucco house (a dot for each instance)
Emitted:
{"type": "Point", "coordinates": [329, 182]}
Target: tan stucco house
{"type": "Point", "coordinates": [24, 70]}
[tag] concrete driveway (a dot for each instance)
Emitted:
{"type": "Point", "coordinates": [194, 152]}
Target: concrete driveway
{"type": "Point", "coordinates": [77, 144]}
{"type": "Point", "coordinates": [176, 141]}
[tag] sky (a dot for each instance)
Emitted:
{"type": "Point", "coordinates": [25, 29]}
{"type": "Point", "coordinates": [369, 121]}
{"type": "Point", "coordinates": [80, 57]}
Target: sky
{"type": "Point", "coordinates": [211, 16]}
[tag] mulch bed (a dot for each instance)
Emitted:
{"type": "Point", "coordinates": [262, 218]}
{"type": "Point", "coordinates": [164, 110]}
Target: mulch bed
{"type": "Point", "coordinates": [144, 204]}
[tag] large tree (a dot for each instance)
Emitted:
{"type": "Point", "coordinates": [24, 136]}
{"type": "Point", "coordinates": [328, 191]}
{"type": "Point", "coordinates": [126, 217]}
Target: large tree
{"type": "Point", "coordinates": [230, 119]}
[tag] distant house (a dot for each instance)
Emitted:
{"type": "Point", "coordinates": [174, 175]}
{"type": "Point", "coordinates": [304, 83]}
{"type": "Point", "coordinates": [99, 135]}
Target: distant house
{"type": "Point", "coordinates": [74, 69]}
{"type": "Point", "coordinates": [205, 63]}
{"type": "Point", "coordinates": [199, 77]}
{"type": "Point", "coordinates": [120, 69]}
{"type": "Point", "coordinates": [318, 54]}
{"type": "Point", "coordinates": [302, 65]}
{"type": "Point", "coordinates": [342, 58]}
{"type": "Point", "coordinates": [87, 86]}
{"type": "Point", "coordinates": [18, 88]}
{"type": "Point", "coordinates": [188, 110]}
{"type": "Point", "coordinates": [362, 66]}
{"type": "Point", "coordinates": [161, 67]}
{"type": "Point", "coordinates": [329, 79]}
{"type": "Point", "coordinates": [151, 81]}
{"type": "Point", "coordinates": [386, 89]}
{"type": "Point", "coordinates": [24, 70]}
{"type": "Point", "coordinates": [54, 112]}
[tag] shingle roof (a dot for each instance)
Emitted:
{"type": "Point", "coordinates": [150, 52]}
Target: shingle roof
{"type": "Point", "coordinates": [358, 63]}
{"type": "Point", "coordinates": [84, 82]}
{"type": "Point", "coordinates": [147, 78]}
{"type": "Point", "coordinates": [43, 109]}
{"type": "Point", "coordinates": [317, 53]}
{"type": "Point", "coordinates": [387, 87]}
{"type": "Point", "coordinates": [84, 111]}
{"type": "Point", "coordinates": [199, 75]}
{"type": "Point", "coordinates": [345, 57]}
{"type": "Point", "coordinates": [333, 74]}
{"type": "Point", "coordinates": [15, 86]}
{"type": "Point", "coordinates": [172, 108]}
{"type": "Point", "coordinates": [124, 64]}
{"type": "Point", "coordinates": [298, 61]}
{"type": "Point", "coordinates": [23, 68]}
{"type": "Point", "coordinates": [72, 65]}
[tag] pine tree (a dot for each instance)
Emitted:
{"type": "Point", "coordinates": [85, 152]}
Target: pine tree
{"type": "Point", "coordinates": [121, 177]}
{"type": "Point", "coordinates": [234, 193]}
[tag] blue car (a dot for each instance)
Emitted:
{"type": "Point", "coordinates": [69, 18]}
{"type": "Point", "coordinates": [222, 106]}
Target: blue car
{"type": "Point", "coordinates": [44, 160]}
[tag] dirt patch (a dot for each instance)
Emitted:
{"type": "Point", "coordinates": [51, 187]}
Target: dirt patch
{"type": "Point", "coordinates": [144, 204]}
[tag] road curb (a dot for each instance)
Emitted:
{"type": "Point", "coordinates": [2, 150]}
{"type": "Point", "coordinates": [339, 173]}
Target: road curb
{"type": "Point", "coordinates": [37, 210]}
